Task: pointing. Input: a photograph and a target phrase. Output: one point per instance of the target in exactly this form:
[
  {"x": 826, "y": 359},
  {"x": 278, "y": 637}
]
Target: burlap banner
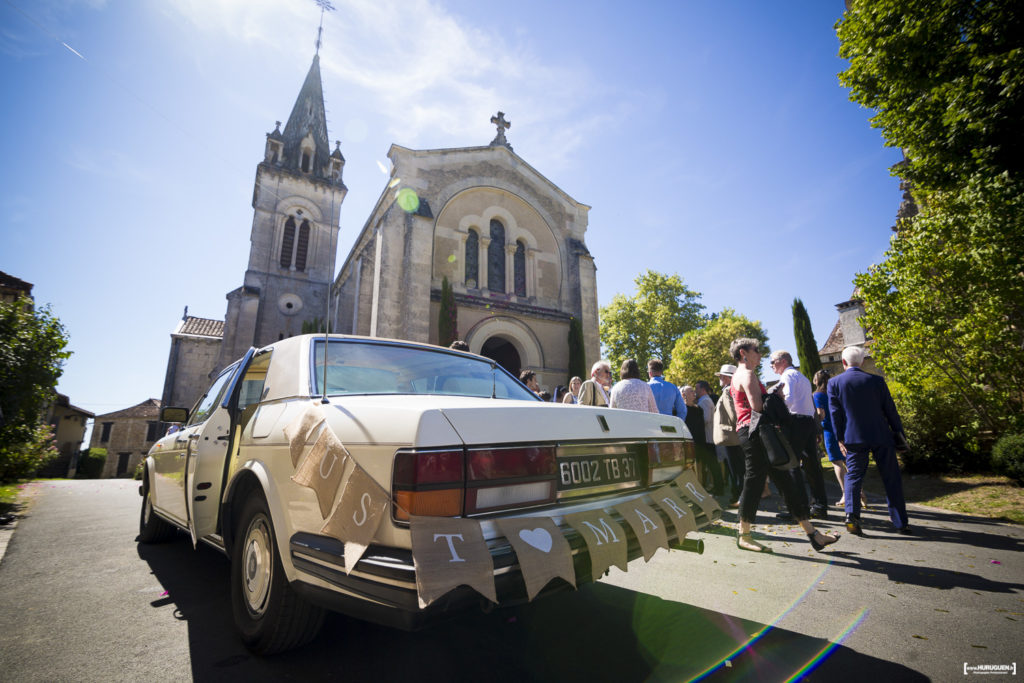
[
  {"x": 678, "y": 511},
  {"x": 357, "y": 515},
  {"x": 543, "y": 552},
  {"x": 605, "y": 538},
  {"x": 301, "y": 428},
  {"x": 691, "y": 488},
  {"x": 449, "y": 552},
  {"x": 322, "y": 468},
  {"x": 647, "y": 525}
]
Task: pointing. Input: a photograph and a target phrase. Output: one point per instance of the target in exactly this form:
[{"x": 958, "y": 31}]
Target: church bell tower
[{"x": 293, "y": 245}]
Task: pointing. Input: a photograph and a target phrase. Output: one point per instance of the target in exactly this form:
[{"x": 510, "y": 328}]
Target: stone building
[
  {"x": 847, "y": 332},
  {"x": 12, "y": 288},
  {"x": 509, "y": 241},
  {"x": 507, "y": 238},
  {"x": 127, "y": 435},
  {"x": 69, "y": 423}
]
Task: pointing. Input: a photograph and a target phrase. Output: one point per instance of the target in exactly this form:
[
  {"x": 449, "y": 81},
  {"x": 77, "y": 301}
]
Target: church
[{"x": 509, "y": 242}]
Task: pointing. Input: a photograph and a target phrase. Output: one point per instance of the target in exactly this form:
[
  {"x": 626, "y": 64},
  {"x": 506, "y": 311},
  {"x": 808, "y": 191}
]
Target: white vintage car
[{"x": 443, "y": 433}]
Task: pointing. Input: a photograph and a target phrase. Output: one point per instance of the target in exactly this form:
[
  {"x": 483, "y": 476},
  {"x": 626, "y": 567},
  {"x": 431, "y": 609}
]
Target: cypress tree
[
  {"x": 577, "y": 354},
  {"x": 806, "y": 347},
  {"x": 448, "y": 316}
]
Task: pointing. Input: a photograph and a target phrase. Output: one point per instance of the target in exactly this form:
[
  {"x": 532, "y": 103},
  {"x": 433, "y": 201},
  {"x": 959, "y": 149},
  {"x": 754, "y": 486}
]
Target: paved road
[{"x": 80, "y": 601}]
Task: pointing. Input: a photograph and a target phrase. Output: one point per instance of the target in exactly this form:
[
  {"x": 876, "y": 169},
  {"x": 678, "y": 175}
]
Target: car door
[{"x": 207, "y": 454}]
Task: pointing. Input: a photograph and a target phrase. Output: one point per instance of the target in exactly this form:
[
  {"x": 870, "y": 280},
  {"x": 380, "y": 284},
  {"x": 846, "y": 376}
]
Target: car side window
[{"x": 211, "y": 398}]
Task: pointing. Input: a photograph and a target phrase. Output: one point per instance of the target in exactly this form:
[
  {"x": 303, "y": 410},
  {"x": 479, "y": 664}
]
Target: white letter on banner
[
  {"x": 451, "y": 546},
  {"x": 680, "y": 513},
  {"x": 334, "y": 460},
  {"x": 362, "y": 505},
  {"x": 646, "y": 521},
  {"x": 602, "y": 535},
  {"x": 693, "y": 489}
]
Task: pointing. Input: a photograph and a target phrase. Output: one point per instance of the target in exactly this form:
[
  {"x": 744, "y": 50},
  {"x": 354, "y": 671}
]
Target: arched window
[
  {"x": 519, "y": 268},
  {"x": 496, "y": 257},
  {"x": 305, "y": 161},
  {"x": 288, "y": 243},
  {"x": 473, "y": 260},
  {"x": 302, "y": 246}
]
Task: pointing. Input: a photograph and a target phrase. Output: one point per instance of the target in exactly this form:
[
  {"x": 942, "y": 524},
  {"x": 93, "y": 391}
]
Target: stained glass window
[{"x": 496, "y": 257}]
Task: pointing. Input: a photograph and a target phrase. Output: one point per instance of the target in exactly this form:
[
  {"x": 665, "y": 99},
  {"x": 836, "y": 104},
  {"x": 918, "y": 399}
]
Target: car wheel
[
  {"x": 152, "y": 528},
  {"x": 270, "y": 616}
]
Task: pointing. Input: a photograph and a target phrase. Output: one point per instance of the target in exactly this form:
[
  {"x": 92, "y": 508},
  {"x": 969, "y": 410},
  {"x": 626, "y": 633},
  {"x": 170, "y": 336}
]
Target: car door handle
[
  {"x": 194, "y": 437},
  {"x": 224, "y": 437}
]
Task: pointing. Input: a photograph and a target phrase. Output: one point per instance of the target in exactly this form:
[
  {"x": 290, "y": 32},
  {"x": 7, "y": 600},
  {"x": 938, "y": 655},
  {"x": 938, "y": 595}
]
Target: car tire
[
  {"x": 269, "y": 615},
  {"x": 153, "y": 528}
]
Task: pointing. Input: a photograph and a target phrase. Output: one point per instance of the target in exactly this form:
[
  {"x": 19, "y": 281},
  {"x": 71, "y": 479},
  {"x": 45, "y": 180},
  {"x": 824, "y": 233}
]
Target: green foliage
[
  {"x": 806, "y": 347},
  {"x": 21, "y": 461},
  {"x": 577, "y": 353},
  {"x": 32, "y": 356},
  {"x": 946, "y": 81},
  {"x": 943, "y": 436},
  {"x": 647, "y": 325},
  {"x": 700, "y": 353},
  {"x": 946, "y": 306},
  {"x": 313, "y": 326},
  {"x": 90, "y": 463},
  {"x": 448, "y": 316},
  {"x": 1008, "y": 456}
]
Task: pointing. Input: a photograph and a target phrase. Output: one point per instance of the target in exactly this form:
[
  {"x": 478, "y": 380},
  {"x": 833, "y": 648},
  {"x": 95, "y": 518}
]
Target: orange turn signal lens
[{"x": 438, "y": 503}]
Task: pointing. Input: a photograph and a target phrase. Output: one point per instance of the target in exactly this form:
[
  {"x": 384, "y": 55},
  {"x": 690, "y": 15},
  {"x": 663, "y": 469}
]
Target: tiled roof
[
  {"x": 150, "y": 408},
  {"x": 202, "y": 327},
  {"x": 835, "y": 342},
  {"x": 14, "y": 283}
]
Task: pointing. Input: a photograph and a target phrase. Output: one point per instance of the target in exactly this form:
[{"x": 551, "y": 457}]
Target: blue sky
[{"x": 132, "y": 131}]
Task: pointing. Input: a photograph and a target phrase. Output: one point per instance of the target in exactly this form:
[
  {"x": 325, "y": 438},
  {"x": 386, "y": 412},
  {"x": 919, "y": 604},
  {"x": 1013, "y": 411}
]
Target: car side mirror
[{"x": 171, "y": 414}]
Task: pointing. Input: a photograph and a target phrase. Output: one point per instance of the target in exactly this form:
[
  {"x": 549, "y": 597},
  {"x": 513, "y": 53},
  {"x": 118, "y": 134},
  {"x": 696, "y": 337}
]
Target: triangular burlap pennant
[
  {"x": 357, "y": 515},
  {"x": 449, "y": 552},
  {"x": 606, "y": 539},
  {"x": 299, "y": 430},
  {"x": 647, "y": 525},
  {"x": 691, "y": 488},
  {"x": 322, "y": 468},
  {"x": 542, "y": 550},
  {"x": 678, "y": 511}
]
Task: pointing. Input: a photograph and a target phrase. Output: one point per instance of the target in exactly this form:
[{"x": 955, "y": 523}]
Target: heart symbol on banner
[{"x": 538, "y": 538}]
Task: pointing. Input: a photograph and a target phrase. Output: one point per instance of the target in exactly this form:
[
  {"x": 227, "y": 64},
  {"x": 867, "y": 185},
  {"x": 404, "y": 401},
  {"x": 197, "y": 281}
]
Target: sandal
[
  {"x": 747, "y": 542},
  {"x": 818, "y": 545}
]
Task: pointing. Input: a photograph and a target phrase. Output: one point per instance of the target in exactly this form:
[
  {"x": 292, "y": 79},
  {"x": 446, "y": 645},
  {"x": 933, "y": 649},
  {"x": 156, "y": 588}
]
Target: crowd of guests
[{"x": 740, "y": 435}]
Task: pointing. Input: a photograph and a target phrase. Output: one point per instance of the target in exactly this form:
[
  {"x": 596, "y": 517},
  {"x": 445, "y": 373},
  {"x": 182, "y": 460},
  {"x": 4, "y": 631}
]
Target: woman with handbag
[{"x": 747, "y": 392}]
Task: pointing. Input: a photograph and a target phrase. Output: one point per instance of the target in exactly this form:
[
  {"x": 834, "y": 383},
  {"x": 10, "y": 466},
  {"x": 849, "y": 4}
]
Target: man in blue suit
[{"x": 866, "y": 422}]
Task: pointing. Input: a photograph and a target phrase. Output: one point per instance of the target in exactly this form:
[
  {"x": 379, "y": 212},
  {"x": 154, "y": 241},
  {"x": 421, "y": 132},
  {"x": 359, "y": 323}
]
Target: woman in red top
[{"x": 746, "y": 392}]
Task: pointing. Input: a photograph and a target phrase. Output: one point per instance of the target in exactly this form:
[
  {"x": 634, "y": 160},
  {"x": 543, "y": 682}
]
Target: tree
[
  {"x": 647, "y": 325},
  {"x": 946, "y": 81},
  {"x": 945, "y": 308},
  {"x": 447, "y": 316},
  {"x": 700, "y": 353},
  {"x": 313, "y": 326},
  {"x": 32, "y": 356},
  {"x": 577, "y": 354},
  {"x": 806, "y": 347}
]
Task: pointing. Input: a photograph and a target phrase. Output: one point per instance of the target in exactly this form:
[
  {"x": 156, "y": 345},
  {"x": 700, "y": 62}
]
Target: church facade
[{"x": 509, "y": 241}]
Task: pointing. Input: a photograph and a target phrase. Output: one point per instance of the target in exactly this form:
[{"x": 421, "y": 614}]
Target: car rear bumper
[{"x": 382, "y": 587}]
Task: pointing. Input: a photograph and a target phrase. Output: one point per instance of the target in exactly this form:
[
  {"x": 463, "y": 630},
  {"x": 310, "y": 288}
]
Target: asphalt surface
[{"x": 81, "y": 601}]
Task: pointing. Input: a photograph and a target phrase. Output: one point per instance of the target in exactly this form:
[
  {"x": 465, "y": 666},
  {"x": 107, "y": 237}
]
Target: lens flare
[{"x": 408, "y": 200}]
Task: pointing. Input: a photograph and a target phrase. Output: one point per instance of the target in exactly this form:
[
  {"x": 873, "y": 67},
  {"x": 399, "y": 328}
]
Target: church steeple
[{"x": 306, "y": 148}]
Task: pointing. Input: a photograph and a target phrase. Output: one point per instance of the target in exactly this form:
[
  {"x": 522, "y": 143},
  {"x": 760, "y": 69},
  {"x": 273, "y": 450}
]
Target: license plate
[{"x": 579, "y": 472}]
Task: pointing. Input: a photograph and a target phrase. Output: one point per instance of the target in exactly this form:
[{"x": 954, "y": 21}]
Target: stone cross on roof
[{"x": 503, "y": 125}]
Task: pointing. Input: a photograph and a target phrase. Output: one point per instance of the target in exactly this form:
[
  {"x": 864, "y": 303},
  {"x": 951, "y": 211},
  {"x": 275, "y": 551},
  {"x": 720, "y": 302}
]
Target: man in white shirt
[{"x": 796, "y": 390}]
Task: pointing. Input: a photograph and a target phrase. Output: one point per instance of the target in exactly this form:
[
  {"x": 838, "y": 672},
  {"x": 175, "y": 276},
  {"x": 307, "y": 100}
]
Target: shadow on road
[{"x": 599, "y": 633}]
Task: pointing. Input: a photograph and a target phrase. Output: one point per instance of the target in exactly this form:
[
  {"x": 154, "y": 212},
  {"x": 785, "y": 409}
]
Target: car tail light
[
  {"x": 665, "y": 454},
  {"x": 501, "y": 478},
  {"x": 430, "y": 483}
]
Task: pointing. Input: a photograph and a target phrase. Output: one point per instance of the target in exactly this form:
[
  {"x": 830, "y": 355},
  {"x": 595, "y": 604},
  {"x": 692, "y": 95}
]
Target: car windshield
[{"x": 357, "y": 367}]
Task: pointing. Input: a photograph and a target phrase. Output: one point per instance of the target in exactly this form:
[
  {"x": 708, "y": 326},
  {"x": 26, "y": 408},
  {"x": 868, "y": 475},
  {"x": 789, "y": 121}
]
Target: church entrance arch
[
  {"x": 504, "y": 353},
  {"x": 508, "y": 341}
]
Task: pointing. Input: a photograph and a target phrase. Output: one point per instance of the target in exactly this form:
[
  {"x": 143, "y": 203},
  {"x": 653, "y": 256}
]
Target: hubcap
[{"x": 257, "y": 565}]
